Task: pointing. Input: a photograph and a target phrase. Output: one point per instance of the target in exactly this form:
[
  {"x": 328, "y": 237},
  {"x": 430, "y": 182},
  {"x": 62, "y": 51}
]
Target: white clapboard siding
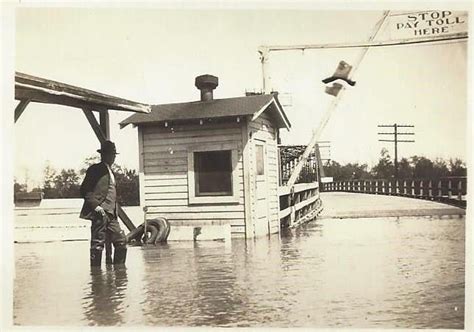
[
  {"x": 263, "y": 128},
  {"x": 165, "y": 166},
  {"x": 189, "y": 140}
]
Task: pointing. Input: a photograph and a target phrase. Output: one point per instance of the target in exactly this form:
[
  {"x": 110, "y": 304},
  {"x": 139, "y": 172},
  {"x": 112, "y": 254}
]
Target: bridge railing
[
  {"x": 300, "y": 204},
  {"x": 450, "y": 190}
]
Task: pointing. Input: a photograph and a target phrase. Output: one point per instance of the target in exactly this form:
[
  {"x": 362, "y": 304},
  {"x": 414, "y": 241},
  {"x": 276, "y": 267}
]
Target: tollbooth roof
[{"x": 217, "y": 108}]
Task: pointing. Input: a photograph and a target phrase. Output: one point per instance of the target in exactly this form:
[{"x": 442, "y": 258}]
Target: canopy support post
[
  {"x": 103, "y": 136},
  {"x": 105, "y": 123}
]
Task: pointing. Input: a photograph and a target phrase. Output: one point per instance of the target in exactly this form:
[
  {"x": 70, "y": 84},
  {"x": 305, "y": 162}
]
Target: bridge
[
  {"x": 363, "y": 198},
  {"x": 341, "y": 205}
]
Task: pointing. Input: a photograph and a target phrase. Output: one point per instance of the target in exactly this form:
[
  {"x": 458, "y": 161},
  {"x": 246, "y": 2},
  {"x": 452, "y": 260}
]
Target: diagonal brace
[
  {"x": 20, "y": 108},
  {"x": 103, "y": 137}
]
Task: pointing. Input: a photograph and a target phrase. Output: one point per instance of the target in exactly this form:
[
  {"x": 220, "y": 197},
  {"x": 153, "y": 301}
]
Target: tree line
[
  {"x": 415, "y": 167},
  {"x": 66, "y": 183}
]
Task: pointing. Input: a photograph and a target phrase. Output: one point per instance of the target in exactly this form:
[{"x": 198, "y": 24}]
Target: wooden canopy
[{"x": 40, "y": 90}]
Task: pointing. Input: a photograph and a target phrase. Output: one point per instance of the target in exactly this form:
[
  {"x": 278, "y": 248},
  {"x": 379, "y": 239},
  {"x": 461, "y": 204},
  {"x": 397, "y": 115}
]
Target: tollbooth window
[{"x": 213, "y": 173}]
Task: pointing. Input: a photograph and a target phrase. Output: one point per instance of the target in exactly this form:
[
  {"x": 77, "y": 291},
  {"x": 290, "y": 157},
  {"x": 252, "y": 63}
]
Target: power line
[{"x": 395, "y": 140}]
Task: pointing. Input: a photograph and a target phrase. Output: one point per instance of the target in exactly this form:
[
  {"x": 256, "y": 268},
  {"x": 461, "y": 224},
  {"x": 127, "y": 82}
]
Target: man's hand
[{"x": 100, "y": 210}]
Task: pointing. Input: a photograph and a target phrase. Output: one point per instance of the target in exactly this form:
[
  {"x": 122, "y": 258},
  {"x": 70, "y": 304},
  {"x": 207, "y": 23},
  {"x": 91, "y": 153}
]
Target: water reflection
[
  {"x": 359, "y": 273},
  {"x": 104, "y": 302}
]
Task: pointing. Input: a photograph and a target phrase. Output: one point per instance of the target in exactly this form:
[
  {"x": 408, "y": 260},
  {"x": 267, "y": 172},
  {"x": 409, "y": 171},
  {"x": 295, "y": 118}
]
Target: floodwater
[{"x": 384, "y": 273}]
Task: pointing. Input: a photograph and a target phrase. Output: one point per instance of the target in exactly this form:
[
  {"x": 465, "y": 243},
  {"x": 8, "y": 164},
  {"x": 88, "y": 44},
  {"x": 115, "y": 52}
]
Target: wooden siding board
[
  {"x": 189, "y": 127},
  {"x": 195, "y": 134},
  {"x": 191, "y": 140},
  {"x": 166, "y": 174}
]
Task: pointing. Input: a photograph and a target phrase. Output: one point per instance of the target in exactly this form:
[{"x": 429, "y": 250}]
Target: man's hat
[{"x": 107, "y": 147}]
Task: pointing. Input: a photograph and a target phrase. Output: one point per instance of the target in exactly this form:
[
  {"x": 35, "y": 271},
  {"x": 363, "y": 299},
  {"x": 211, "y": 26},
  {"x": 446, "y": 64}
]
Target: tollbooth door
[{"x": 261, "y": 188}]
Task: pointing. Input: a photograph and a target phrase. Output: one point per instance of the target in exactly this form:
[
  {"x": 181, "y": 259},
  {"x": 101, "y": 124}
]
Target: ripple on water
[{"x": 382, "y": 273}]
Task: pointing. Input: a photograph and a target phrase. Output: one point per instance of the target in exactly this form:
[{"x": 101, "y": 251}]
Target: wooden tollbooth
[{"x": 211, "y": 167}]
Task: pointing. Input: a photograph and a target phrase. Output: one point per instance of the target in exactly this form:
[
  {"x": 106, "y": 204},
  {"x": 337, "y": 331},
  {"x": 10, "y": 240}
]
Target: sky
[{"x": 152, "y": 55}]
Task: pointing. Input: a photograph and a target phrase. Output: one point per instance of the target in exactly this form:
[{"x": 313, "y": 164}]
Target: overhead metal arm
[{"x": 316, "y": 135}]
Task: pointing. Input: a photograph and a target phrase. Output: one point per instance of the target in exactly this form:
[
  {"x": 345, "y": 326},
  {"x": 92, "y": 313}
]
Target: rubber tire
[
  {"x": 163, "y": 228},
  {"x": 159, "y": 228}
]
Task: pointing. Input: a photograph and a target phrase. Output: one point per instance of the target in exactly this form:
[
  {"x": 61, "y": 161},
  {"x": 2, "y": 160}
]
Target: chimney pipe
[{"x": 206, "y": 83}]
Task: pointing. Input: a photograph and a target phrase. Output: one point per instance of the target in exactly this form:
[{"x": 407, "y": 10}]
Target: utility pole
[{"x": 395, "y": 140}]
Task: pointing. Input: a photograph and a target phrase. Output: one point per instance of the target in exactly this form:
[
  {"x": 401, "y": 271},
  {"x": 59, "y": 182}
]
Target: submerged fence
[
  {"x": 299, "y": 204},
  {"x": 450, "y": 190}
]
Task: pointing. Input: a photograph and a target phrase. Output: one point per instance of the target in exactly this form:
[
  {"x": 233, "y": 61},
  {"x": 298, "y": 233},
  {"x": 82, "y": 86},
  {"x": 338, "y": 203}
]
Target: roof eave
[{"x": 281, "y": 114}]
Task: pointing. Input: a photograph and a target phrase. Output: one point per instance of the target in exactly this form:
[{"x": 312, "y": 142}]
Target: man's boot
[
  {"x": 120, "y": 254},
  {"x": 96, "y": 257},
  {"x": 108, "y": 253}
]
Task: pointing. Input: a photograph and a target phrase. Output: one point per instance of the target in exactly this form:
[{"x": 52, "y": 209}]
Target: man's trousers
[{"x": 107, "y": 229}]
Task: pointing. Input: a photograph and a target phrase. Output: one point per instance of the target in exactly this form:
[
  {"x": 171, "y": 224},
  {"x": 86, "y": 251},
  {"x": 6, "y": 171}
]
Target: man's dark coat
[{"x": 94, "y": 189}]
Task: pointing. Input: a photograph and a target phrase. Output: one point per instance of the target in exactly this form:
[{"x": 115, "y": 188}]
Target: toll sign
[{"x": 427, "y": 23}]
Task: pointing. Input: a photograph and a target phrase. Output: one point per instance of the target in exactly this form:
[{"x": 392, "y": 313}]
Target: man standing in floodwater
[{"x": 100, "y": 206}]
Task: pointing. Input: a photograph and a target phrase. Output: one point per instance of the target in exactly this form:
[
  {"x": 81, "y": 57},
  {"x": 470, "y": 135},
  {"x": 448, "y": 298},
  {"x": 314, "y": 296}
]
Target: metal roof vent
[{"x": 206, "y": 83}]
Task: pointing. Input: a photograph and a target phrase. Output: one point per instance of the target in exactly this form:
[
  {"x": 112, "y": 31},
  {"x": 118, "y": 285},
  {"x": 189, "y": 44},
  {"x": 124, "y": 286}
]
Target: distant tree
[
  {"x": 66, "y": 184},
  {"x": 424, "y": 168},
  {"x": 18, "y": 188},
  {"x": 384, "y": 169},
  {"x": 49, "y": 188},
  {"x": 457, "y": 167},
  {"x": 405, "y": 170},
  {"x": 346, "y": 172},
  {"x": 128, "y": 189},
  {"x": 440, "y": 168}
]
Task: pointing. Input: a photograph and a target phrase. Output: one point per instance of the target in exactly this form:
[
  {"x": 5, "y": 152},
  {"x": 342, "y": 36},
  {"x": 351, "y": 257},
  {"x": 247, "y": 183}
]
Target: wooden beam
[
  {"x": 20, "y": 108},
  {"x": 125, "y": 219},
  {"x": 52, "y": 92},
  {"x": 105, "y": 123},
  {"x": 95, "y": 125}
]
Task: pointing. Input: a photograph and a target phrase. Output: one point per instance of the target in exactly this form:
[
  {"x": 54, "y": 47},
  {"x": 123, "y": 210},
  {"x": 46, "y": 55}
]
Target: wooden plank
[
  {"x": 175, "y": 169},
  {"x": 47, "y": 91},
  {"x": 184, "y": 194},
  {"x": 217, "y": 145},
  {"x": 306, "y": 202},
  {"x": 166, "y": 169},
  {"x": 238, "y": 229},
  {"x": 246, "y": 157},
  {"x": 95, "y": 125},
  {"x": 20, "y": 108},
  {"x": 105, "y": 123},
  {"x": 198, "y": 216},
  {"x": 125, "y": 219},
  {"x": 168, "y": 202},
  {"x": 159, "y": 177},
  {"x": 305, "y": 186},
  {"x": 167, "y": 189},
  {"x": 161, "y": 135},
  {"x": 189, "y": 127},
  {"x": 166, "y": 162},
  {"x": 199, "y": 209},
  {"x": 176, "y": 182},
  {"x": 165, "y": 196},
  {"x": 193, "y": 140},
  {"x": 141, "y": 168}
]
